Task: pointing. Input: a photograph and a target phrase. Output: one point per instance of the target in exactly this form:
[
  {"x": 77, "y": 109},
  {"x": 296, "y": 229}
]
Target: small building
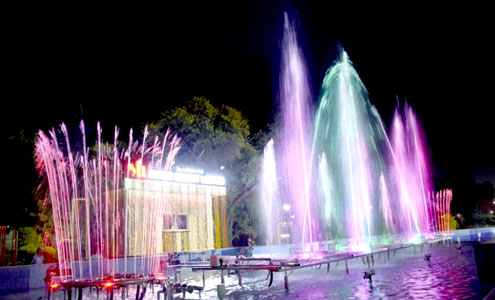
[{"x": 193, "y": 205}]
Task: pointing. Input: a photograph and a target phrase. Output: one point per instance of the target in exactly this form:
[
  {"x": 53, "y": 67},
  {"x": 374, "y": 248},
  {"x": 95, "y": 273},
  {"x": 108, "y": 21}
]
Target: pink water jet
[{"x": 98, "y": 224}]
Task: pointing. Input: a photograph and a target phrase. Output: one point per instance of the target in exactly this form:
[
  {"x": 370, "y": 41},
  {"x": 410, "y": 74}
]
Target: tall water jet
[
  {"x": 411, "y": 174},
  {"x": 441, "y": 202},
  {"x": 331, "y": 219},
  {"x": 270, "y": 207},
  {"x": 350, "y": 136},
  {"x": 295, "y": 135},
  {"x": 386, "y": 205}
]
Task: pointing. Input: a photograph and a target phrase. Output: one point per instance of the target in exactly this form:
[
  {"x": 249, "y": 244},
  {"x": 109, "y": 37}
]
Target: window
[{"x": 175, "y": 222}]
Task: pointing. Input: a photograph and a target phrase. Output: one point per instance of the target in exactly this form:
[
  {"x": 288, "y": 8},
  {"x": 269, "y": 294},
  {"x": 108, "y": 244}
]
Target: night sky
[{"x": 125, "y": 66}]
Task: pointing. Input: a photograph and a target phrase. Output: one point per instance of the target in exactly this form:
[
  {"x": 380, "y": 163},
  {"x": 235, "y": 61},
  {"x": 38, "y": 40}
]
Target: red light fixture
[
  {"x": 108, "y": 285},
  {"x": 54, "y": 286}
]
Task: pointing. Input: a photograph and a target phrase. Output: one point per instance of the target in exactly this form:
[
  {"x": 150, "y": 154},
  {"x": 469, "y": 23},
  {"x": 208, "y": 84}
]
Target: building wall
[{"x": 204, "y": 206}]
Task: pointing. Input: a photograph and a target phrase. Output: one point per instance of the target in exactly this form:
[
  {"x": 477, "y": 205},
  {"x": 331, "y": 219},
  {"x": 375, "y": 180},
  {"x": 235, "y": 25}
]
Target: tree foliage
[
  {"x": 31, "y": 240},
  {"x": 212, "y": 138},
  {"x": 471, "y": 199},
  {"x": 453, "y": 223},
  {"x": 42, "y": 234},
  {"x": 483, "y": 218},
  {"x": 20, "y": 178}
]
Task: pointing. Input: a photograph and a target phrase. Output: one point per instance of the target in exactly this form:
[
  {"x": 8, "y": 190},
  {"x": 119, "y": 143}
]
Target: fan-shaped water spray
[
  {"x": 351, "y": 135},
  {"x": 100, "y": 225}
]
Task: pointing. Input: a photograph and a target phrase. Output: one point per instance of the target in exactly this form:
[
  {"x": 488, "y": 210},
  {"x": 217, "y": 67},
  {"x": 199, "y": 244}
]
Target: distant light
[
  {"x": 286, "y": 207},
  {"x": 284, "y": 235},
  {"x": 493, "y": 201},
  {"x": 491, "y": 211},
  {"x": 292, "y": 217},
  {"x": 458, "y": 215},
  {"x": 222, "y": 167}
]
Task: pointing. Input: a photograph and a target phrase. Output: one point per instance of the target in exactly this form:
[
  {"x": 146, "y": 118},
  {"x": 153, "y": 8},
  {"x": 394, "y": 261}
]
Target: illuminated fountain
[
  {"x": 270, "y": 210},
  {"x": 440, "y": 208},
  {"x": 103, "y": 229},
  {"x": 296, "y": 135},
  {"x": 344, "y": 178},
  {"x": 412, "y": 182},
  {"x": 290, "y": 160},
  {"x": 370, "y": 186},
  {"x": 350, "y": 146}
]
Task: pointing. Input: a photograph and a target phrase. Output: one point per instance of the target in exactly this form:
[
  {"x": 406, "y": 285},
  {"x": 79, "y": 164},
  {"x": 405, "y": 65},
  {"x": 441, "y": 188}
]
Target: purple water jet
[
  {"x": 296, "y": 134},
  {"x": 412, "y": 178}
]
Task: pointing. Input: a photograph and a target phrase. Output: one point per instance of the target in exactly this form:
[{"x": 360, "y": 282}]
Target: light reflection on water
[{"x": 449, "y": 275}]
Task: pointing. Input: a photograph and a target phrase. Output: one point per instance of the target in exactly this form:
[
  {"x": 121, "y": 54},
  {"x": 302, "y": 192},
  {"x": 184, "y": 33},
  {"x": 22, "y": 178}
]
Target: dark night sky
[{"x": 123, "y": 67}]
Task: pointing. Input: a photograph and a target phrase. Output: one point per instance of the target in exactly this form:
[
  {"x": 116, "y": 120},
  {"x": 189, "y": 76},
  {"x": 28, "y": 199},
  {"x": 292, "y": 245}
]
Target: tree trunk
[
  {"x": 230, "y": 224},
  {"x": 231, "y": 209}
]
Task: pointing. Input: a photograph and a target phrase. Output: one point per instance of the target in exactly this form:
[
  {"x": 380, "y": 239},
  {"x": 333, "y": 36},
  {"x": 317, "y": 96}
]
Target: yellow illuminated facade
[{"x": 190, "y": 216}]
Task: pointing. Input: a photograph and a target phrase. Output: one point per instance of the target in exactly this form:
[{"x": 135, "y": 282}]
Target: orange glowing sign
[{"x": 137, "y": 169}]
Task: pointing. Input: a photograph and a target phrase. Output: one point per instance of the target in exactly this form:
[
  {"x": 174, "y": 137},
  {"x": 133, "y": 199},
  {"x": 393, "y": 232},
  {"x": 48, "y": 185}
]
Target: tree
[
  {"x": 471, "y": 200},
  {"x": 212, "y": 138},
  {"x": 19, "y": 176},
  {"x": 42, "y": 234},
  {"x": 31, "y": 240},
  {"x": 483, "y": 218},
  {"x": 453, "y": 223}
]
